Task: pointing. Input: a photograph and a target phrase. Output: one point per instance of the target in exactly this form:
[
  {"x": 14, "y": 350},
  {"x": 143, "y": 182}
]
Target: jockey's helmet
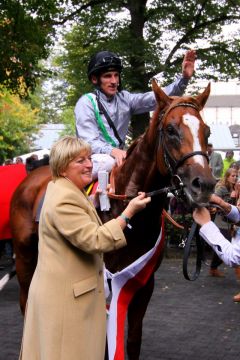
[{"x": 104, "y": 61}]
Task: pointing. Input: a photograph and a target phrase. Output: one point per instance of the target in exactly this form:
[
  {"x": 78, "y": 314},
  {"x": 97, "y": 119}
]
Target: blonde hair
[
  {"x": 224, "y": 181},
  {"x": 64, "y": 151}
]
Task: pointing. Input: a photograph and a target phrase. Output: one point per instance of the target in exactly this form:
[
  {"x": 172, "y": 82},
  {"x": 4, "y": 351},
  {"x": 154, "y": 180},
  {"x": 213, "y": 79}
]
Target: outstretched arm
[
  {"x": 227, "y": 251},
  {"x": 188, "y": 64}
]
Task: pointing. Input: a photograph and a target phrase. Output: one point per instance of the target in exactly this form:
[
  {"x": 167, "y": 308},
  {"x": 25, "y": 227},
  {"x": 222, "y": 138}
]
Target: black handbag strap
[{"x": 103, "y": 111}]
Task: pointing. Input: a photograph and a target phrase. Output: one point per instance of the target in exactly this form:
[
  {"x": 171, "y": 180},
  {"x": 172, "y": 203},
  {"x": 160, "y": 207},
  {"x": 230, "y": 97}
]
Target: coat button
[{"x": 100, "y": 272}]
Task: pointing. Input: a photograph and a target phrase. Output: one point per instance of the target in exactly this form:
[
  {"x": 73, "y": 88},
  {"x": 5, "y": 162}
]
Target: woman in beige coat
[{"x": 66, "y": 315}]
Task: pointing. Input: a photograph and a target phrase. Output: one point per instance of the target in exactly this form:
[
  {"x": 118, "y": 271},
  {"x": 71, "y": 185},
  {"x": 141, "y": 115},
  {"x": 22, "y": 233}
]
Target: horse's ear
[
  {"x": 161, "y": 97},
  {"x": 202, "y": 98}
]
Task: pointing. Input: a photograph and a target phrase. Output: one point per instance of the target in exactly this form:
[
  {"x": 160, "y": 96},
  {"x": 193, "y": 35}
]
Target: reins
[
  {"x": 187, "y": 243},
  {"x": 123, "y": 197}
]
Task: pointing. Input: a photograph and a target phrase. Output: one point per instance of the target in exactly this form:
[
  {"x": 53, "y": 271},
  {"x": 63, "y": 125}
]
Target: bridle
[
  {"x": 177, "y": 188},
  {"x": 172, "y": 164}
]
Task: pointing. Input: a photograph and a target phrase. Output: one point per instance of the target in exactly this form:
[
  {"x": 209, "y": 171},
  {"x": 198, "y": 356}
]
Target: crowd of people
[{"x": 32, "y": 162}]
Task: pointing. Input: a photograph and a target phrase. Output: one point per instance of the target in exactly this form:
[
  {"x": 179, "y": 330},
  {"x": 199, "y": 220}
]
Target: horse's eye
[{"x": 171, "y": 131}]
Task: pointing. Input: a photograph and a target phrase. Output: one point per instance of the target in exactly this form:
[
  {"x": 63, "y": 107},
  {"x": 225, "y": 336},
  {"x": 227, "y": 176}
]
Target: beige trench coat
[{"x": 66, "y": 315}]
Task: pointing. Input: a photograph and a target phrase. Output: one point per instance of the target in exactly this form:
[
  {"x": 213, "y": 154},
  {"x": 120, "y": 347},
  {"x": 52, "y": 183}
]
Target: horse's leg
[
  {"x": 26, "y": 252},
  {"x": 136, "y": 312}
]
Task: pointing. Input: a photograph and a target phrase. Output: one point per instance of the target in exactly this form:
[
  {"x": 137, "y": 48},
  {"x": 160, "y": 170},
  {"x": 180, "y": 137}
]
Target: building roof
[{"x": 223, "y": 101}]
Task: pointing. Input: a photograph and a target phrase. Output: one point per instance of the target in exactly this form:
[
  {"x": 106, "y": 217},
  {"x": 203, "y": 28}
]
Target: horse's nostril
[{"x": 196, "y": 183}]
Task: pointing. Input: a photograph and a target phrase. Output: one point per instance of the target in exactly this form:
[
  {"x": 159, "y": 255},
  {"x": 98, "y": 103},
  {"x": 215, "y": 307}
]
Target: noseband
[{"x": 171, "y": 163}]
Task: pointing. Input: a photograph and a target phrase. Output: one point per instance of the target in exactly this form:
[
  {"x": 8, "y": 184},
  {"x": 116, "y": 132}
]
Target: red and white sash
[{"x": 125, "y": 283}]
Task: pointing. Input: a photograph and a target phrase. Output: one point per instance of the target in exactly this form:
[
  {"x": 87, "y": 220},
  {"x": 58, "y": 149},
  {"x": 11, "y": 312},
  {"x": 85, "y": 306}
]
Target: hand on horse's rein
[
  {"x": 188, "y": 64},
  {"x": 220, "y": 203},
  {"x": 119, "y": 155},
  {"x": 202, "y": 215},
  {"x": 135, "y": 205}
]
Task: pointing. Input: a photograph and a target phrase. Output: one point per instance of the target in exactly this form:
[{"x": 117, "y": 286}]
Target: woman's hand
[
  {"x": 201, "y": 215},
  {"x": 223, "y": 204},
  {"x": 136, "y": 204}
]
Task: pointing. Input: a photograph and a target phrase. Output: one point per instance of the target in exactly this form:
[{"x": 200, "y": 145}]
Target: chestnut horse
[{"x": 174, "y": 144}]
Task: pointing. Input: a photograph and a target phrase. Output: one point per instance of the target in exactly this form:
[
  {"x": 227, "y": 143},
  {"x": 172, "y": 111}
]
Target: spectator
[
  {"x": 8, "y": 162},
  {"x": 236, "y": 234},
  {"x": 227, "y": 251},
  {"x": 19, "y": 160},
  {"x": 225, "y": 190},
  {"x": 215, "y": 162},
  {"x": 228, "y": 161},
  {"x": 31, "y": 162}
]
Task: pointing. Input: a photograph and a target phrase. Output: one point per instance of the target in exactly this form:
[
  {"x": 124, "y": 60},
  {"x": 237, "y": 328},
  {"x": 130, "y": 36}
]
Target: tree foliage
[
  {"x": 25, "y": 36},
  {"x": 150, "y": 36},
  {"x": 18, "y": 123}
]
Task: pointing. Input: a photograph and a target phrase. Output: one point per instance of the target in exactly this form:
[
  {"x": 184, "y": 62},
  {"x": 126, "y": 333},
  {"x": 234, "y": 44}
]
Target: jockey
[{"x": 103, "y": 117}]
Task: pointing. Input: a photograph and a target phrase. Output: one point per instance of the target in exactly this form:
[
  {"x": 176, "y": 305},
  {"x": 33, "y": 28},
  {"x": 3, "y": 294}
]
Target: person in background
[
  {"x": 31, "y": 162},
  {"x": 236, "y": 166},
  {"x": 8, "y": 162},
  {"x": 227, "y": 162},
  {"x": 236, "y": 232},
  {"x": 215, "y": 162},
  {"x": 228, "y": 251},
  {"x": 19, "y": 160},
  {"x": 103, "y": 116},
  {"x": 225, "y": 190},
  {"x": 66, "y": 310}
]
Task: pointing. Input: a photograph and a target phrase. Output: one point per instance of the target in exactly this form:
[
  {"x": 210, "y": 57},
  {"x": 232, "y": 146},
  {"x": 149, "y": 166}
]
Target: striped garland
[{"x": 125, "y": 284}]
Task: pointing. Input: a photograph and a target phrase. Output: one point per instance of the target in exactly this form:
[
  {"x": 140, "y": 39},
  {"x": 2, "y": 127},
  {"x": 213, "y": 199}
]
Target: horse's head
[{"x": 183, "y": 138}]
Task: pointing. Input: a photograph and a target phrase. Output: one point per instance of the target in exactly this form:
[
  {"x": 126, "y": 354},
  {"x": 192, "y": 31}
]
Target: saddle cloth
[{"x": 10, "y": 177}]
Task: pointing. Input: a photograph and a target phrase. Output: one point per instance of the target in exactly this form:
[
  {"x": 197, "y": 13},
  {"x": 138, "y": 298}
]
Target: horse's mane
[{"x": 133, "y": 145}]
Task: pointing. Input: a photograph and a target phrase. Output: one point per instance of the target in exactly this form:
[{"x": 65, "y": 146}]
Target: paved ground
[{"x": 185, "y": 320}]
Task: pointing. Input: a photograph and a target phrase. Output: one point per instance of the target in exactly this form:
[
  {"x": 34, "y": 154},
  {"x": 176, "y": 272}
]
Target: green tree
[
  {"x": 67, "y": 118},
  {"x": 152, "y": 37},
  {"x": 25, "y": 38},
  {"x": 18, "y": 124}
]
